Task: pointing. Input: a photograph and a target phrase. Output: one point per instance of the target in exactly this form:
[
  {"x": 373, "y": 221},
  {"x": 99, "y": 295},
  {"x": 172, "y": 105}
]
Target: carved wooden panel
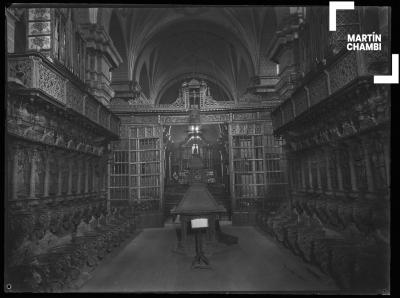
[
  {"x": 347, "y": 22},
  {"x": 103, "y": 117},
  {"x": 378, "y": 164},
  {"x": 74, "y": 98},
  {"x": 90, "y": 175},
  {"x": 318, "y": 89},
  {"x": 300, "y": 101},
  {"x": 246, "y": 128},
  {"x": 287, "y": 111},
  {"x": 75, "y": 169},
  {"x": 53, "y": 181},
  {"x": 23, "y": 172},
  {"x": 359, "y": 164},
  {"x": 51, "y": 83},
  {"x": 91, "y": 108},
  {"x": 277, "y": 118},
  {"x": 174, "y": 119},
  {"x": 64, "y": 176},
  {"x": 343, "y": 71},
  {"x": 114, "y": 125},
  {"x": 139, "y": 119},
  {"x": 214, "y": 118},
  {"x": 39, "y": 28},
  {"x": 82, "y": 166},
  {"x": 21, "y": 69},
  {"x": 40, "y": 159},
  {"x": 244, "y": 116}
]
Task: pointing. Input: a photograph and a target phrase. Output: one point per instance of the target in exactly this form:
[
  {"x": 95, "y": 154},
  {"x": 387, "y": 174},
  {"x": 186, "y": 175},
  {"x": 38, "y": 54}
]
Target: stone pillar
[
  {"x": 47, "y": 175},
  {"x": 95, "y": 179},
  {"x": 32, "y": 185},
  {"x": 70, "y": 167},
  {"x": 60, "y": 171},
  {"x": 353, "y": 177},
  {"x": 14, "y": 169},
  {"x": 310, "y": 171},
  {"x": 328, "y": 170},
  {"x": 319, "y": 184},
  {"x": 339, "y": 172},
  {"x": 368, "y": 166},
  {"x": 303, "y": 177},
  {"x": 86, "y": 169},
  {"x": 79, "y": 182}
]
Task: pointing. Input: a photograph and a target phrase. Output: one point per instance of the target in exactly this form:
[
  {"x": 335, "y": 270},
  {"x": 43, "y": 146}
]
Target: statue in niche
[
  {"x": 102, "y": 220},
  {"x": 92, "y": 223},
  {"x": 82, "y": 228}
]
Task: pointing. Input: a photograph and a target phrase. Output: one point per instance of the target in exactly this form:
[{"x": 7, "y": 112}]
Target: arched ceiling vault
[{"x": 165, "y": 44}]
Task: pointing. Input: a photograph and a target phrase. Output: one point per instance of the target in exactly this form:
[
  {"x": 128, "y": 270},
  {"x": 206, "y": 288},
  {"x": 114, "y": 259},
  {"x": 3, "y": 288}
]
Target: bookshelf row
[
  {"x": 257, "y": 165},
  {"x": 144, "y": 132},
  {"x": 123, "y": 181},
  {"x": 249, "y": 191},
  {"x": 248, "y": 165},
  {"x": 240, "y": 153},
  {"x": 136, "y": 168}
]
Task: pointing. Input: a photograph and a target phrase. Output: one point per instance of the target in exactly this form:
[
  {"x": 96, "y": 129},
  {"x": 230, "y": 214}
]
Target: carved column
[
  {"x": 339, "y": 171},
  {"x": 368, "y": 167},
  {"x": 328, "y": 170},
  {"x": 352, "y": 168},
  {"x": 70, "y": 167},
  {"x": 47, "y": 175},
  {"x": 303, "y": 177},
  {"x": 86, "y": 169},
  {"x": 14, "y": 169},
  {"x": 79, "y": 182},
  {"x": 94, "y": 176},
  {"x": 32, "y": 186},
  {"x": 309, "y": 161},
  {"x": 319, "y": 185},
  {"x": 60, "y": 171}
]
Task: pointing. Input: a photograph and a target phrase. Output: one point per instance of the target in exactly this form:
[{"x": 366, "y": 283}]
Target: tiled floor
[{"x": 257, "y": 263}]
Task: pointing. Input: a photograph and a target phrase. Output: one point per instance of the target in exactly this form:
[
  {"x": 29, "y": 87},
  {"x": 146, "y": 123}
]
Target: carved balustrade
[
  {"x": 345, "y": 68},
  {"x": 35, "y": 72}
]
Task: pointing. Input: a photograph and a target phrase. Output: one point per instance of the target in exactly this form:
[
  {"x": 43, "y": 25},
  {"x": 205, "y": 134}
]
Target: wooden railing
[
  {"x": 35, "y": 71},
  {"x": 344, "y": 69}
]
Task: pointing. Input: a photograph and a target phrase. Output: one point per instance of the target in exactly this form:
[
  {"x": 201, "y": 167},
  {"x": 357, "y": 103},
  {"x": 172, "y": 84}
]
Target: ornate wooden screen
[
  {"x": 136, "y": 169},
  {"x": 256, "y": 165}
]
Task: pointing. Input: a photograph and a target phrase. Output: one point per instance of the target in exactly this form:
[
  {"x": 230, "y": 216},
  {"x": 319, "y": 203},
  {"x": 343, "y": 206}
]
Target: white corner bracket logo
[
  {"x": 336, "y": 5},
  {"x": 390, "y": 79},
  {"x": 348, "y": 5}
]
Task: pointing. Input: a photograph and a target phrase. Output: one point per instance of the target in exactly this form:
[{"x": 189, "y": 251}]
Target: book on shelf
[{"x": 150, "y": 180}]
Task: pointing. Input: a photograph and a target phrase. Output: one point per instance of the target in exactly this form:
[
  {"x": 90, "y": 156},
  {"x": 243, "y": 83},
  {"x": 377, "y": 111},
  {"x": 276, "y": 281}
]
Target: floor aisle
[{"x": 255, "y": 264}]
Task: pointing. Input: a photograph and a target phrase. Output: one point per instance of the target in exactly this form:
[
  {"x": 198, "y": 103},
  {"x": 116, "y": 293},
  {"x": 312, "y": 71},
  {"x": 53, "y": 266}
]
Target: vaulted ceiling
[{"x": 163, "y": 46}]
